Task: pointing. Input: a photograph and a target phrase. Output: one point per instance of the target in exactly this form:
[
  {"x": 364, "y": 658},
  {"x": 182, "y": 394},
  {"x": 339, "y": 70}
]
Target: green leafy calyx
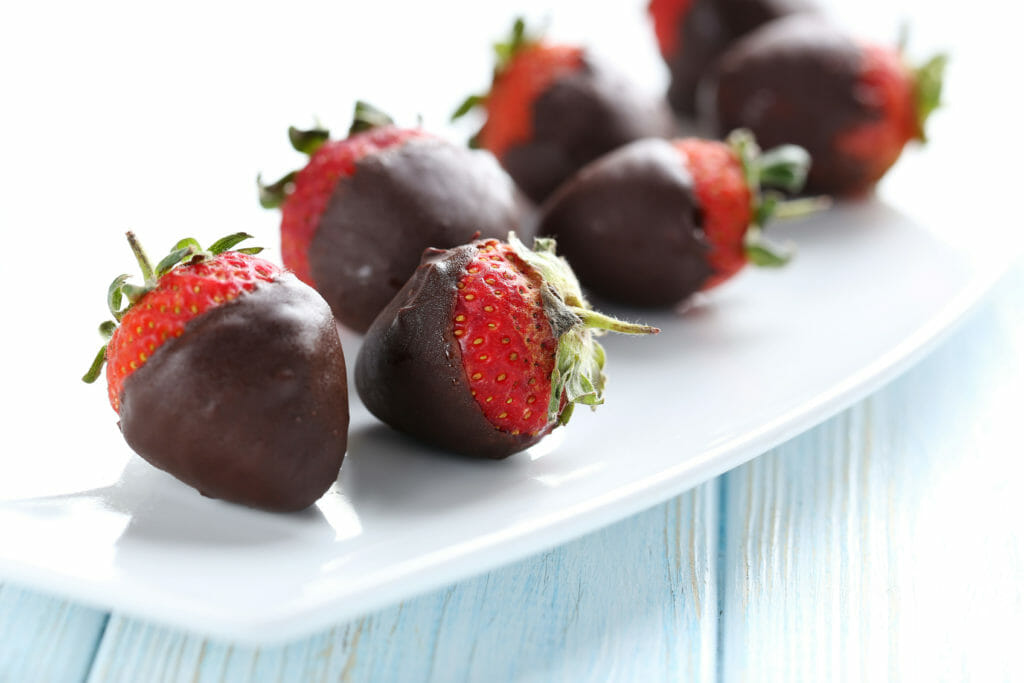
[
  {"x": 578, "y": 374},
  {"x": 367, "y": 117},
  {"x": 928, "y": 90},
  {"x": 122, "y": 295},
  {"x": 308, "y": 141},
  {"x": 781, "y": 168},
  {"x": 504, "y": 52}
]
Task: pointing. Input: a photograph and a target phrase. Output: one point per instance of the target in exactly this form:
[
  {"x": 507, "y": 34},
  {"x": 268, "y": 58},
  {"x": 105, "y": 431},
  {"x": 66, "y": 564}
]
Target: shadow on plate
[{"x": 394, "y": 475}]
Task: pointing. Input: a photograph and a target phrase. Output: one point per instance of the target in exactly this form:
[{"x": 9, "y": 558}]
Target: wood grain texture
[
  {"x": 635, "y": 601},
  {"x": 44, "y": 639},
  {"x": 885, "y": 544}
]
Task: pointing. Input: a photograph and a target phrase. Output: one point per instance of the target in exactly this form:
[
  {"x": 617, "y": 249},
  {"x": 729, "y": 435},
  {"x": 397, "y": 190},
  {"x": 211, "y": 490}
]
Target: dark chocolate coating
[
  {"x": 795, "y": 81},
  {"x": 706, "y": 30},
  {"x": 580, "y": 117},
  {"x": 409, "y": 371},
  {"x": 424, "y": 193},
  {"x": 630, "y": 226},
  {"x": 250, "y": 404}
]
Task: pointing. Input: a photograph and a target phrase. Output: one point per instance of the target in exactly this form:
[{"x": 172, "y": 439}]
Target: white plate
[{"x": 767, "y": 355}]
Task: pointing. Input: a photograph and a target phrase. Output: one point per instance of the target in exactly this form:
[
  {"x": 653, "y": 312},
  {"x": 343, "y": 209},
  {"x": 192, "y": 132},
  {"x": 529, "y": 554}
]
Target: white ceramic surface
[
  {"x": 756, "y": 361},
  {"x": 766, "y": 356}
]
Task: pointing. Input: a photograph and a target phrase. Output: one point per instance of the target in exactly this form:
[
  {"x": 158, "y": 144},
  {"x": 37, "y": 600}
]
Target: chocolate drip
[
  {"x": 409, "y": 371},
  {"x": 579, "y": 118},
  {"x": 425, "y": 193},
  {"x": 250, "y": 404},
  {"x": 630, "y": 226}
]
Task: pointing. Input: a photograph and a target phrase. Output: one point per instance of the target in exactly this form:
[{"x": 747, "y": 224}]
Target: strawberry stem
[
  {"x": 599, "y": 321},
  {"x": 143, "y": 260}
]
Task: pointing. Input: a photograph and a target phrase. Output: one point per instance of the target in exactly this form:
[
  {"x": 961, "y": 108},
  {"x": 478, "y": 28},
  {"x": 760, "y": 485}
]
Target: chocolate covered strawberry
[
  {"x": 552, "y": 108},
  {"x": 486, "y": 349},
  {"x": 657, "y": 220},
  {"x": 693, "y": 33},
  {"x": 852, "y": 105},
  {"x": 228, "y": 373},
  {"x": 356, "y": 218}
]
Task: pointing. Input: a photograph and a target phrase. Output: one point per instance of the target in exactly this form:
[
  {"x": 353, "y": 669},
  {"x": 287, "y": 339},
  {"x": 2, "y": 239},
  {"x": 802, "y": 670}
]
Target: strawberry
[
  {"x": 692, "y": 34},
  {"x": 853, "y": 106},
  {"x": 552, "y": 108},
  {"x": 228, "y": 373},
  {"x": 656, "y": 221},
  {"x": 486, "y": 349},
  {"x": 356, "y": 218}
]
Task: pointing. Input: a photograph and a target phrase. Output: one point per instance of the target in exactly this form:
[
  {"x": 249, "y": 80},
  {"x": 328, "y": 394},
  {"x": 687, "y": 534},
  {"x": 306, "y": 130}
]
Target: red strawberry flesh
[
  {"x": 533, "y": 69},
  {"x": 667, "y": 14},
  {"x": 725, "y": 202},
  {"x": 508, "y": 346},
  {"x": 885, "y": 86},
  {"x": 181, "y": 295}
]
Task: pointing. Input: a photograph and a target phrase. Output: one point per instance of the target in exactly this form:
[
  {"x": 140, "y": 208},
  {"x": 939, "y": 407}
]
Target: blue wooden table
[{"x": 884, "y": 544}]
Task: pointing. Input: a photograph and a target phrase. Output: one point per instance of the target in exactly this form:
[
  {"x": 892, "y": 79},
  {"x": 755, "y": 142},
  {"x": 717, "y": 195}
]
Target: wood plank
[
  {"x": 634, "y": 601},
  {"x": 886, "y": 544},
  {"x": 45, "y": 639}
]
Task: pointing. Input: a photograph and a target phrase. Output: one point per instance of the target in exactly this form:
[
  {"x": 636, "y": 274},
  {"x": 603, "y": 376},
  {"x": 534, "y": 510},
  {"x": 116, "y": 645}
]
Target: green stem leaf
[
  {"x": 800, "y": 208},
  {"x": 307, "y": 141},
  {"x": 783, "y": 167},
  {"x": 928, "y": 90},
  {"x": 134, "y": 292},
  {"x": 368, "y": 117},
  {"x": 468, "y": 105},
  {"x": 173, "y": 259},
  {"x": 518, "y": 39},
  {"x": 188, "y": 241},
  {"x": 763, "y": 253},
  {"x": 115, "y": 296},
  {"x": 93, "y": 373},
  {"x": 272, "y": 196},
  {"x": 225, "y": 243}
]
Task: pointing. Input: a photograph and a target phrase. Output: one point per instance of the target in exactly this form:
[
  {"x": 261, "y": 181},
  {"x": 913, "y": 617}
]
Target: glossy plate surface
[{"x": 875, "y": 284}]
